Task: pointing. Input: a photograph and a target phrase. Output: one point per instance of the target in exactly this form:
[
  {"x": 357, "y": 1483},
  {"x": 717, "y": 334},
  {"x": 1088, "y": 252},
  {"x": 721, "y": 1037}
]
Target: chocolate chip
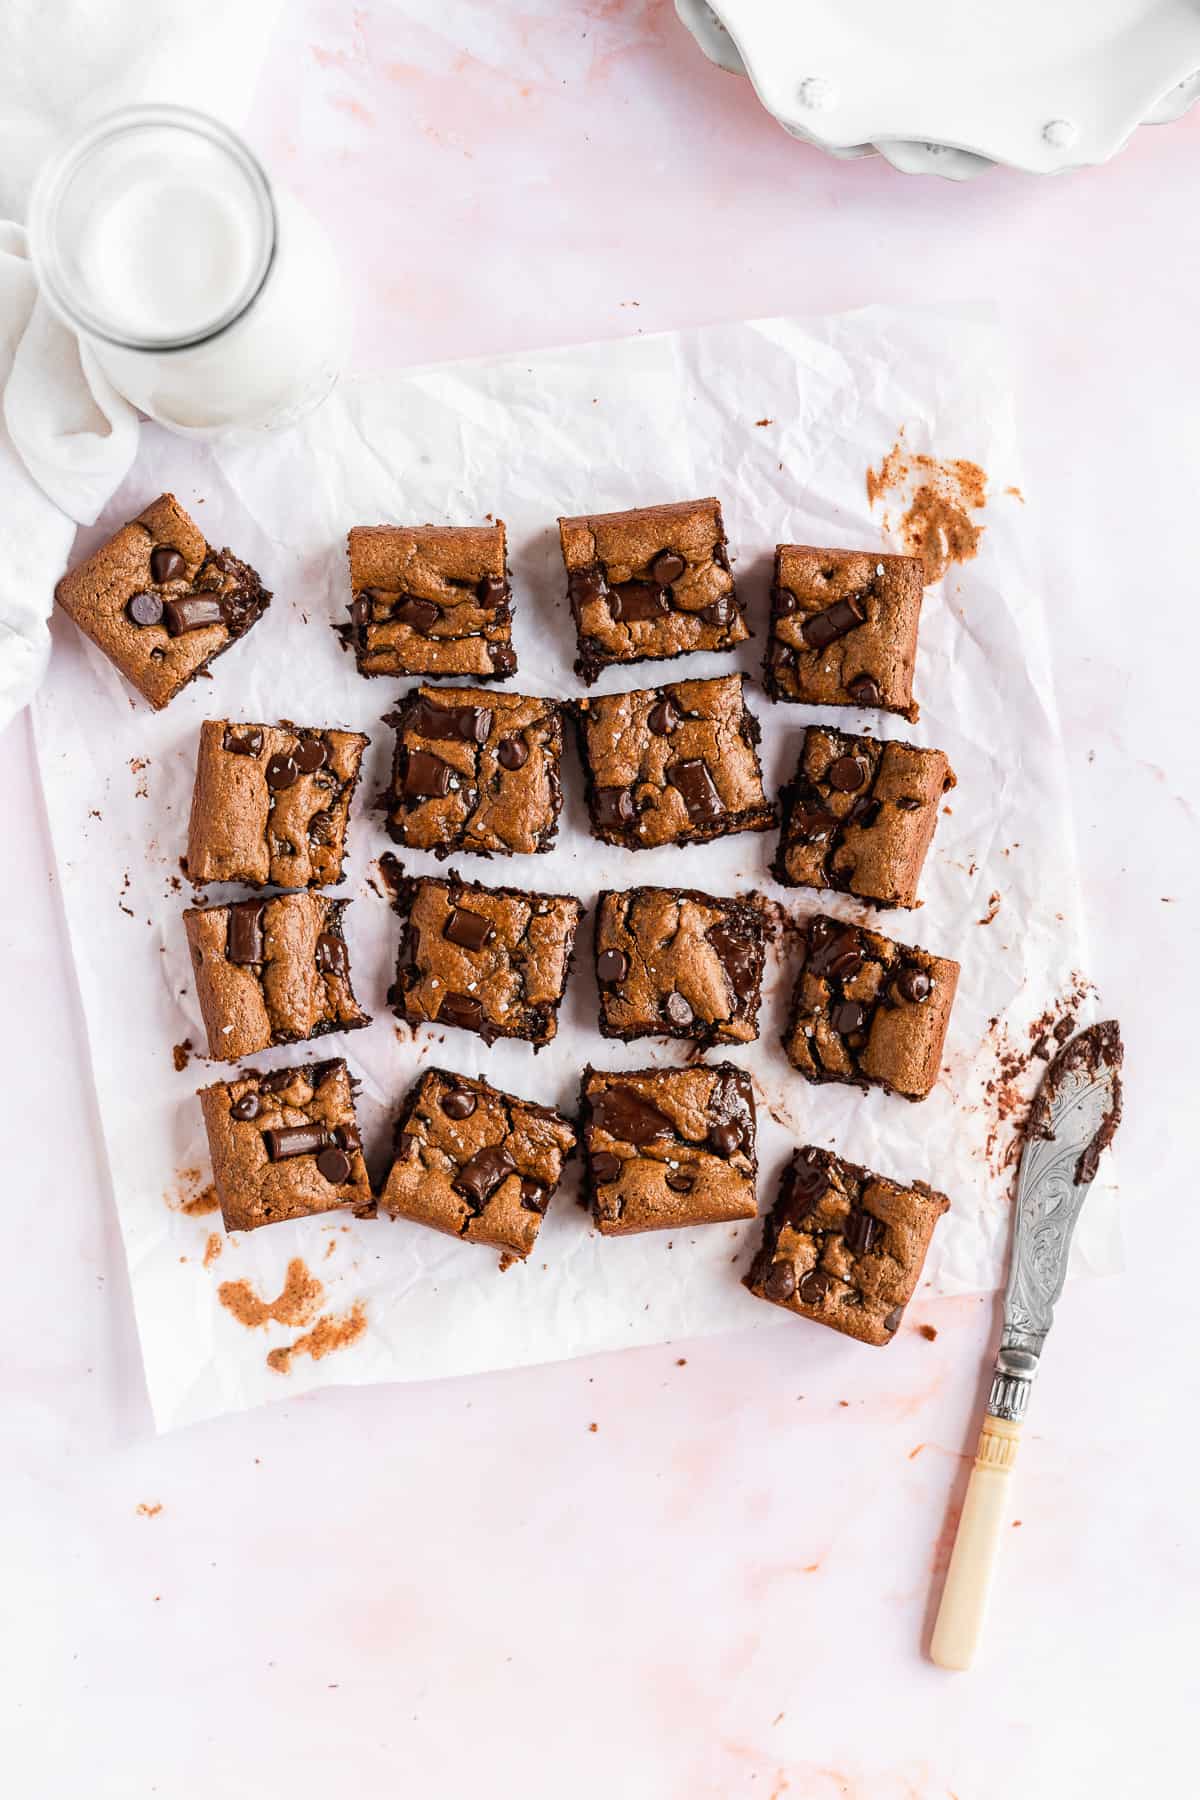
[
  {"x": 321, "y": 828},
  {"x": 585, "y": 586},
  {"x": 612, "y": 807},
  {"x": 426, "y": 776},
  {"x": 626, "y": 1116},
  {"x": 813, "y": 1288},
  {"x": 780, "y": 1283},
  {"x": 810, "y": 826},
  {"x": 678, "y": 1010},
  {"x": 513, "y": 753},
  {"x": 360, "y": 614},
  {"x": 248, "y": 742},
  {"x": 277, "y": 1080},
  {"x": 458, "y": 1103},
  {"x": 680, "y": 1183},
  {"x": 244, "y": 933},
  {"x": 612, "y": 965},
  {"x": 667, "y": 567},
  {"x": 634, "y": 602},
  {"x": 246, "y": 1107},
  {"x": 783, "y": 602},
  {"x": 504, "y": 660},
  {"x": 310, "y": 755},
  {"x": 907, "y": 803},
  {"x": 470, "y": 930},
  {"x": 847, "y": 1016},
  {"x": 605, "y": 1166},
  {"x": 346, "y": 1137},
  {"x": 334, "y": 1165},
  {"x": 472, "y": 724},
  {"x": 407, "y": 1143},
  {"x": 914, "y": 984},
  {"x": 821, "y": 629},
  {"x": 864, "y": 689},
  {"x": 145, "y": 609},
  {"x": 663, "y": 718},
  {"x": 166, "y": 564},
  {"x": 725, "y": 1138},
  {"x": 693, "y": 781},
  {"x": 283, "y": 771},
  {"x": 478, "y": 1179},
  {"x": 865, "y": 813},
  {"x": 419, "y": 615},
  {"x": 332, "y": 956},
  {"x": 846, "y": 774},
  {"x": 491, "y": 590},
  {"x": 860, "y": 1231},
  {"x": 535, "y": 1197},
  {"x": 718, "y": 612},
  {"x": 463, "y": 1010},
  {"x": 892, "y": 1322},
  {"x": 294, "y": 1140},
  {"x": 192, "y": 611},
  {"x": 739, "y": 959}
]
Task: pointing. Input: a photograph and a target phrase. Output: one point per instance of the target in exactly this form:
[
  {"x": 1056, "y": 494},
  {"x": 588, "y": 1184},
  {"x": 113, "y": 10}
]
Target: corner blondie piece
[
  {"x": 650, "y": 584},
  {"x": 668, "y": 1147},
  {"x": 844, "y": 628},
  {"x": 475, "y": 770},
  {"x": 476, "y": 1163},
  {"x": 869, "y": 1011},
  {"x": 430, "y": 600},
  {"x": 859, "y": 816},
  {"x": 271, "y": 972},
  {"x": 271, "y": 804},
  {"x": 671, "y": 962},
  {"x": 676, "y": 764},
  {"x": 490, "y": 960},
  {"x": 845, "y": 1247},
  {"x": 160, "y": 601},
  {"x": 285, "y": 1145}
]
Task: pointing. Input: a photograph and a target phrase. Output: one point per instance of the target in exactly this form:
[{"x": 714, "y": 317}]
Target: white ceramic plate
[{"x": 1042, "y": 85}]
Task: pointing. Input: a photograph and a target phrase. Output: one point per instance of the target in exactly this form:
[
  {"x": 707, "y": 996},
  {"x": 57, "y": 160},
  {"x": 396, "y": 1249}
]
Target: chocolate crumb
[
  {"x": 928, "y": 1331},
  {"x": 181, "y": 1054}
]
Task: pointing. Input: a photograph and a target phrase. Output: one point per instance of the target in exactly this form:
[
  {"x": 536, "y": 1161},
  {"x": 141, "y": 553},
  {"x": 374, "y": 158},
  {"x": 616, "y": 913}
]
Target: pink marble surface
[{"x": 721, "y": 1591}]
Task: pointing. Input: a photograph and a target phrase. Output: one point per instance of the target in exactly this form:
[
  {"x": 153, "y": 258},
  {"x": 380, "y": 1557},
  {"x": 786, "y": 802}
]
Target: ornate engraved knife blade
[{"x": 1073, "y": 1118}]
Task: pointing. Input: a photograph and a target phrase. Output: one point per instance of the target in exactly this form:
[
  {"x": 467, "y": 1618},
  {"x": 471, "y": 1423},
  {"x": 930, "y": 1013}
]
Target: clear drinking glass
[{"x": 210, "y": 299}]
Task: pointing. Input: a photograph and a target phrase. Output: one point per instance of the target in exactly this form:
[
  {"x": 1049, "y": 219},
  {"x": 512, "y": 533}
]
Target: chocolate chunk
[
  {"x": 864, "y": 689},
  {"x": 860, "y": 1231},
  {"x": 865, "y": 813},
  {"x": 360, "y": 614},
  {"x": 680, "y": 1183},
  {"x": 283, "y": 771},
  {"x": 626, "y": 1116},
  {"x": 807, "y": 1182},
  {"x": 145, "y": 609},
  {"x": 839, "y": 955},
  {"x": 192, "y": 611},
  {"x": 914, "y": 984},
  {"x": 605, "y": 1166},
  {"x": 667, "y": 567},
  {"x": 892, "y": 1322},
  {"x": 472, "y": 724},
  {"x": 634, "y": 602},
  {"x": 426, "y": 776},
  {"x": 847, "y": 1016},
  {"x": 612, "y": 807},
  {"x": 719, "y": 611},
  {"x": 780, "y": 1283},
  {"x": 277, "y": 1080},
  {"x": 513, "y": 753},
  {"x": 334, "y": 1165},
  {"x": 480, "y": 1177},
  {"x": 693, "y": 781},
  {"x": 738, "y": 959},
  {"x": 585, "y": 586},
  {"x": 321, "y": 828},
  {"x": 346, "y": 1137},
  {"x": 244, "y": 933},
  {"x": 534, "y": 1196},
  {"x": 810, "y": 826},
  {"x": 310, "y": 755},
  {"x": 463, "y": 1010},
  {"x": 821, "y": 629},
  {"x": 166, "y": 564},
  {"x": 846, "y": 774},
  {"x": 678, "y": 1010},
  {"x": 294, "y": 1140},
  {"x": 419, "y": 615},
  {"x": 244, "y": 743},
  {"x": 726, "y": 1137},
  {"x": 504, "y": 660},
  {"x": 458, "y": 1103},
  {"x": 470, "y": 930},
  {"x": 813, "y": 1288},
  {"x": 410, "y": 939},
  {"x": 663, "y": 718},
  {"x": 784, "y": 602},
  {"x": 247, "y": 1107},
  {"x": 491, "y": 590},
  {"x": 612, "y": 965},
  {"x": 332, "y": 956}
]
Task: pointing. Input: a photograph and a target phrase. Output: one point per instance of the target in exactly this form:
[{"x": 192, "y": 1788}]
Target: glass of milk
[{"x": 210, "y": 299}]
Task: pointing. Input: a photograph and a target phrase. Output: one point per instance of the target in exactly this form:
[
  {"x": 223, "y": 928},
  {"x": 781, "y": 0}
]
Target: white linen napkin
[{"x": 66, "y": 438}]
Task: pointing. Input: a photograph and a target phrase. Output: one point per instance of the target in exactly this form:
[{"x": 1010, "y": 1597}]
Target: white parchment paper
[{"x": 781, "y": 419}]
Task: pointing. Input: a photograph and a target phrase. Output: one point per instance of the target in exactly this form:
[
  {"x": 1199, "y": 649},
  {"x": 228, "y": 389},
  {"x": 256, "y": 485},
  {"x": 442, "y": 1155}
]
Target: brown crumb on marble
[
  {"x": 192, "y": 1196},
  {"x": 391, "y": 873},
  {"x": 681, "y": 1362},
  {"x": 938, "y": 497},
  {"x": 1015, "y": 494},
  {"x": 929, "y": 1332},
  {"x": 993, "y": 908},
  {"x": 1009, "y": 1091},
  {"x": 298, "y": 1301},
  {"x": 213, "y": 1248},
  {"x": 330, "y": 1333},
  {"x": 764, "y": 421},
  {"x": 593, "y": 1426},
  {"x": 149, "y": 1509},
  {"x": 181, "y": 1054}
]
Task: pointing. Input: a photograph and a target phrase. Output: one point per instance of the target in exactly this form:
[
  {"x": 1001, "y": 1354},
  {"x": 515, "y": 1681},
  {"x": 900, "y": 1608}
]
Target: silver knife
[{"x": 1073, "y": 1118}]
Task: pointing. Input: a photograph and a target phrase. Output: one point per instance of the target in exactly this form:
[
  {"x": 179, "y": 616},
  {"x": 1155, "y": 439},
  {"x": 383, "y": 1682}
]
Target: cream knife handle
[{"x": 985, "y": 1509}]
